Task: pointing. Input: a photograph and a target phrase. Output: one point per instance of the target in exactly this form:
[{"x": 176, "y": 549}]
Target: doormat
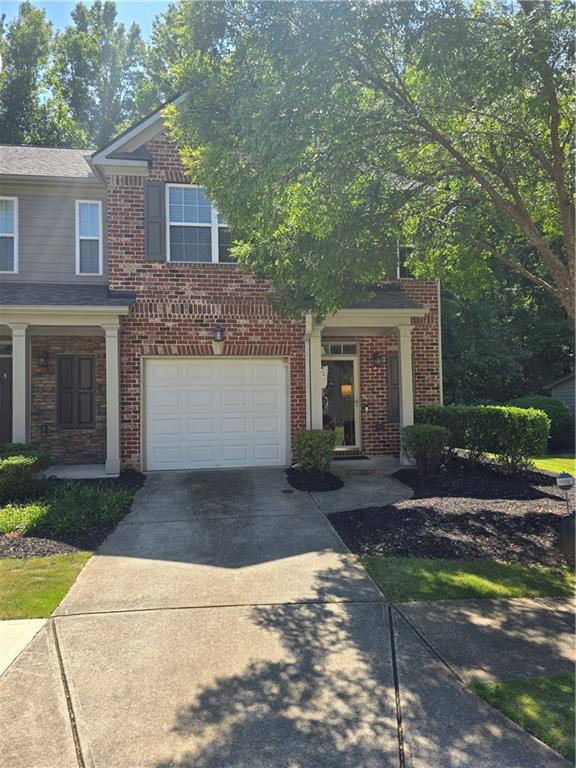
[{"x": 351, "y": 457}]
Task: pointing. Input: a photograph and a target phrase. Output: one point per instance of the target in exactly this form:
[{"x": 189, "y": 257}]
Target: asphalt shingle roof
[
  {"x": 46, "y": 162},
  {"x": 386, "y": 297},
  {"x": 62, "y": 294}
]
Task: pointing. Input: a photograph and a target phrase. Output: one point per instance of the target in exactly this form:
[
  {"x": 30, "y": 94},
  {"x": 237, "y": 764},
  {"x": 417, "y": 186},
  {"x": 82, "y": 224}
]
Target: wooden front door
[{"x": 5, "y": 399}]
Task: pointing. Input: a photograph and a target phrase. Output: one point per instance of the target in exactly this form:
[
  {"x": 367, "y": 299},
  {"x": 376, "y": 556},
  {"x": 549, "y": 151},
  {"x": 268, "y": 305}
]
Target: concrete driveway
[{"x": 225, "y": 625}]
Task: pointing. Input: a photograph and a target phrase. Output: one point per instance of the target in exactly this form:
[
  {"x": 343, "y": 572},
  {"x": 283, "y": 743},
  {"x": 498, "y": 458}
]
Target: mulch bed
[
  {"x": 41, "y": 545},
  {"x": 317, "y": 482},
  {"x": 470, "y": 511}
]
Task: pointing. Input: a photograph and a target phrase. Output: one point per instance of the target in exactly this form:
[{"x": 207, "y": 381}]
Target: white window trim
[
  {"x": 213, "y": 225},
  {"x": 99, "y": 238},
  {"x": 15, "y": 237}
]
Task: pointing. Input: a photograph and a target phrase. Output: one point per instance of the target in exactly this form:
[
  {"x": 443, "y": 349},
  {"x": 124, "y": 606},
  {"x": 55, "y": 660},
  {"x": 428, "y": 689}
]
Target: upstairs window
[
  {"x": 8, "y": 234},
  {"x": 197, "y": 234},
  {"x": 88, "y": 237}
]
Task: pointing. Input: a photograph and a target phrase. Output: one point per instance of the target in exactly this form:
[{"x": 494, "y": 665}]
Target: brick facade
[
  {"x": 66, "y": 446},
  {"x": 178, "y": 305}
]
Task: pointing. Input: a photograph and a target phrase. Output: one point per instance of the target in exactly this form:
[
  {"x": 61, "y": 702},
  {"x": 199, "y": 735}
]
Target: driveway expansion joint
[{"x": 68, "y": 697}]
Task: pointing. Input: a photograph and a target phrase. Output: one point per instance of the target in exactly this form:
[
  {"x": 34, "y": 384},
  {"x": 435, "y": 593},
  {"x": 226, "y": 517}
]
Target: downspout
[
  {"x": 440, "y": 367},
  {"x": 307, "y": 365}
]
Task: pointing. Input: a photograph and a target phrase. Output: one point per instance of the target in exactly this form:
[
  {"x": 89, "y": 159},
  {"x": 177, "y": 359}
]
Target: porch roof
[
  {"x": 62, "y": 295},
  {"x": 386, "y": 297}
]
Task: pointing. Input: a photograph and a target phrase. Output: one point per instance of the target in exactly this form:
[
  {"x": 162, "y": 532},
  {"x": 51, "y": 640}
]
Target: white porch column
[
  {"x": 19, "y": 383},
  {"x": 112, "y": 400},
  {"x": 316, "y": 378},
  {"x": 406, "y": 382}
]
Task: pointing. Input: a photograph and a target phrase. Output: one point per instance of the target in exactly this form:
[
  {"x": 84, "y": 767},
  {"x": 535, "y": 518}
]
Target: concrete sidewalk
[{"x": 225, "y": 625}]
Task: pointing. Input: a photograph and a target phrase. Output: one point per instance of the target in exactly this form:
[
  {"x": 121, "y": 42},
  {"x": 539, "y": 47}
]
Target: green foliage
[
  {"x": 425, "y": 445},
  {"x": 516, "y": 333},
  {"x": 25, "y": 449},
  {"x": 359, "y": 124},
  {"x": 513, "y": 435},
  {"x": 561, "y": 424},
  {"x": 22, "y": 518},
  {"x": 67, "y": 508},
  {"x": 97, "y": 69},
  {"x": 26, "y": 115},
  {"x": 20, "y": 475},
  {"x": 315, "y": 448}
]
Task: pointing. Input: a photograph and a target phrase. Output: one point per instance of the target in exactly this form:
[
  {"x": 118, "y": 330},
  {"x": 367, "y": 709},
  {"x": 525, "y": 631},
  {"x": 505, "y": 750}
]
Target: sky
[{"x": 58, "y": 12}]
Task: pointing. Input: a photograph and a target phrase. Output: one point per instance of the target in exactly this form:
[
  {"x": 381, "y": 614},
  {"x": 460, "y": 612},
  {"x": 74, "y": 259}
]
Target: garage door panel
[{"x": 205, "y": 413}]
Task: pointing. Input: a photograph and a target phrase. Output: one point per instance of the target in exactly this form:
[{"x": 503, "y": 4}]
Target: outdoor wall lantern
[
  {"x": 43, "y": 359},
  {"x": 377, "y": 359},
  {"x": 218, "y": 339}
]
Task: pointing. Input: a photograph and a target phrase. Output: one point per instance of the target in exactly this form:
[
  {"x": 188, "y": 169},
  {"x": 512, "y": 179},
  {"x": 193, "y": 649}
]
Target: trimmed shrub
[
  {"x": 425, "y": 445},
  {"x": 315, "y": 448},
  {"x": 22, "y": 518},
  {"x": 513, "y": 435},
  {"x": 23, "y": 449},
  {"x": 20, "y": 475},
  {"x": 561, "y": 424}
]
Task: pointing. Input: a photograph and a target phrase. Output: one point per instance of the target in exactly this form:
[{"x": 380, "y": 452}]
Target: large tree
[
  {"x": 327, "y": 131},
  {"x": 29, "y": 112},
  {"x": 98, "y": 69}
]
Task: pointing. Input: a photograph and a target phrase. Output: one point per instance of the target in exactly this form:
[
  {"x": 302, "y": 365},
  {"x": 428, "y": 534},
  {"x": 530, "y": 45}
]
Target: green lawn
[
  {"x": 542, "y": 705},
  {"x": 31, "y": 589},
  {"x": 406, "y": 579},
  {"x": 560, "y": 462}
]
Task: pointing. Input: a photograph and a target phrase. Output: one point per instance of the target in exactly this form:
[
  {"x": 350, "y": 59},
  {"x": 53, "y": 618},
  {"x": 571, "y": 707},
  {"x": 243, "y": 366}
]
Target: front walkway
[{"x": 225, "y": 625}]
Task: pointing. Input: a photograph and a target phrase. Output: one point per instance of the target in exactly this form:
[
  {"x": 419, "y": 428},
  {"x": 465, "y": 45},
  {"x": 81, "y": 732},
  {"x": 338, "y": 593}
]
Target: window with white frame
[
  {"x": 8, "y": 234},
  {"x": 196, "y": 232},
  {"x": 88, "y": 237}
]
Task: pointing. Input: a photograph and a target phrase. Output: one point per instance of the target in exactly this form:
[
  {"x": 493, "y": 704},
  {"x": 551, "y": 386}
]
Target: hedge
[
  {"x": 425, "y": 445},
  {"x": 315, "y": 449},
  {"x": 21, "y": 469},
  {"x": 561, "y": 423},
  {"x": 513, "y": 435}
]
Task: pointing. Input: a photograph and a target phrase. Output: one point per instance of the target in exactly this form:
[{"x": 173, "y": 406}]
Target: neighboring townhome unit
[{"x": 130, "y": 338}]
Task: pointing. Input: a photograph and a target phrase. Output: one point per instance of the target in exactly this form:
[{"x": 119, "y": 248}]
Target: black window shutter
[
  {"x": 393, "y": 387},
  {"x": 155, "y": 220},
  {"x": 76, "y": 391}
]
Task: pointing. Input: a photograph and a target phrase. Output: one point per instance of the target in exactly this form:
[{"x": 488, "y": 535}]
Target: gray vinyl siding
[
  {"x": 565, "y": 391},
  {"x": 47, "y": 232}
]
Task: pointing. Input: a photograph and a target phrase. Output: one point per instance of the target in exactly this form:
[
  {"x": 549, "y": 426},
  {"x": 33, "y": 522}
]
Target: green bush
[
  {"x": 561, "y": 424},
  {"x": 20, "y": 477},
  {"x": 315, "y": 449},
  {"x": 22, "y": 518},
  {"x": 23, "y": 449},
  {"x": 425, "y": 445},
  {"x": 513, "y": 435}
]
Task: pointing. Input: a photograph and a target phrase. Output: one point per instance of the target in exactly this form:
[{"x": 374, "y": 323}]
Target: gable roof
[
  {"x": 46, "y": 162},
  {"x": 126, "y": 149},
  {"x": 562, "y": 380}
]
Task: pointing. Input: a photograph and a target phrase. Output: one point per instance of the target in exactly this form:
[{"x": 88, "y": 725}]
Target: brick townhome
[{"x": 128, "y": 338}]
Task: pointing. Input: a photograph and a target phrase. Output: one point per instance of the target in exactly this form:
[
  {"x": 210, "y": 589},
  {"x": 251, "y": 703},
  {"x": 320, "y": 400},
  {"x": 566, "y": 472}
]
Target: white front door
[{"x": 208, "y": 413}]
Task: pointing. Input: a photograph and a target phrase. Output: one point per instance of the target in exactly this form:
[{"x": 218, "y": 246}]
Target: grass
[
  {"x": 31, "y": 589},
  {"x": 403, "y": 579},
  {"x": 560, "y": 462},
  {"x": 66, "y": 508},
  {"x": 543, "y": 705}
]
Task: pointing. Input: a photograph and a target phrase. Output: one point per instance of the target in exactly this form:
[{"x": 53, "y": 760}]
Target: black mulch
[
  {"x": 469, "y": 511},
  {"x": 313, "y": 481},
  {"x": 43, "y": 544}
]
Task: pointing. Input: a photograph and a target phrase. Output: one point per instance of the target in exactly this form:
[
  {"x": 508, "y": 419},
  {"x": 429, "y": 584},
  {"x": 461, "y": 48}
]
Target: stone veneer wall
[{"x": 66, "y": 446}]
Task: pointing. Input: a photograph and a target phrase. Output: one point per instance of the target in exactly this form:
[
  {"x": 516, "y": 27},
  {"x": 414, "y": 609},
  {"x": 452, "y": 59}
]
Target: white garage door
[{"x": 215, "y": 413}]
